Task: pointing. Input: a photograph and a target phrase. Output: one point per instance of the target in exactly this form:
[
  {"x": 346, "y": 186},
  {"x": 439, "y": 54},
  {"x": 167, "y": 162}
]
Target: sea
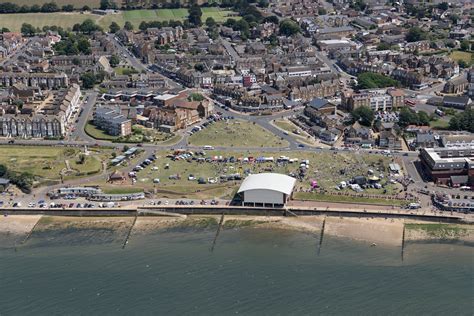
[{"x": 249, "y": 271}]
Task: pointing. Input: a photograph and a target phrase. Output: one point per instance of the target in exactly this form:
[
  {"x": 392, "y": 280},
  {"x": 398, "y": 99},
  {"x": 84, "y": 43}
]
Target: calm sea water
[{"x": 251, "y": 271}]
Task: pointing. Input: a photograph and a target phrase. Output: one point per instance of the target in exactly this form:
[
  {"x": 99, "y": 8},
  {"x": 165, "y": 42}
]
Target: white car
[{"x": 31, "y": 204}]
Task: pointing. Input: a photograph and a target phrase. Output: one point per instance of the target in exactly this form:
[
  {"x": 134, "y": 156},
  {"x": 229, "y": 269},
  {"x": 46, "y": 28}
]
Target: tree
[
  {"x": 107, "y": 4},
  {"x": 68, "y": 8},
  {"x": 28, "y": 29},
  {"x": 49, "y": 7},
  {"x": 128, "y": 26},
  {"x": 114, "y": 61},
  {"x": 415, "y": 34},
  {"x": 383, "y": 46},
  {"x": 143, "y": 26},
  {"x": 407, "y": 117},
  {"x": 364, "y": 115},
  {"x": 84, "y": 46},
  {"x": 322, "y": 11},
  {"x": 289, "y": 27},
  {"x": 199, "y": 67},
  {"x": 114, "y": 27},
  {"x": 88, "y": 80},
  {"x": 210, "y": 22},
  {"x": 195, "y": 15},
  {"x": 369, "y": 80},
  {"x": 88, "y": 26},
  {"x": 272, "y": 19},
  {"x": 463, "y": 121},
  {"x": 465, "y": 45},
  {"x": 5, "y": 30},
  {"x": 462, "y": 64},
  {"x": 86, "y": 8},
  {"x": 443, "y": 6}
]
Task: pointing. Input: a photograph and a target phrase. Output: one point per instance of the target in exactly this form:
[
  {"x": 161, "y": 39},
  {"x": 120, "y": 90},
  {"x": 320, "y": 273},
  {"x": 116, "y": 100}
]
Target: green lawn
[
  {"x": 65, "y": 20},
  {"x": 468, "y": 57},
  {"x": 121, "y": 190},
  {"x": 236, "y": 133},
  {"x": 97, "y": 133},
  {"x": 441, "y": 123},
  {"x": 47, "y": 162}
]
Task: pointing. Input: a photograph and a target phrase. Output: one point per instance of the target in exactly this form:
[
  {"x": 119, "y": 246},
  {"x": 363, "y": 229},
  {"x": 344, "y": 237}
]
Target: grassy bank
[{"x": 439, "y": 231}]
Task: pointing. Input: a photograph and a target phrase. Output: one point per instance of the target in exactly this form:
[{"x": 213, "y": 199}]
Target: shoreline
[{"x": 389, "y": 232}]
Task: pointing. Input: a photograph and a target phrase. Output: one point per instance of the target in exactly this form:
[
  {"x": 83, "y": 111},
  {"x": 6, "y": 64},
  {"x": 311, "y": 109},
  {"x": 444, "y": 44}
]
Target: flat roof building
[
  {"x": 441, "y": 164},
  {"x": 266, "y": 189}
]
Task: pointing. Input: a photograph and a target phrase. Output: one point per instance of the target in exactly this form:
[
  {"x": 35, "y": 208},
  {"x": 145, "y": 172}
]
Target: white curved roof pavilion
[{"x": 266, "y": 189}]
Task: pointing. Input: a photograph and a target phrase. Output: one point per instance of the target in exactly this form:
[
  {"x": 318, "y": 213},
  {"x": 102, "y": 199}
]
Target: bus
[{"x": 410, "y": 102}]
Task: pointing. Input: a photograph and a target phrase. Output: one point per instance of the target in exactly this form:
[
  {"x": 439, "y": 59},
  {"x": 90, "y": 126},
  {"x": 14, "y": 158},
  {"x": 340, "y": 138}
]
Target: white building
[{"x": 266, "y": 189}]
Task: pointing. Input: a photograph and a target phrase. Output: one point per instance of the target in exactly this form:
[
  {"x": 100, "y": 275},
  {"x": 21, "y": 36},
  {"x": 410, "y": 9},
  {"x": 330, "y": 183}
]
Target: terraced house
[{"x": 47, "y": 115}]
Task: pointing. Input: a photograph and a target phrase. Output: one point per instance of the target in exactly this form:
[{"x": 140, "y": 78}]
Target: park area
[
  {"x": 236, "y": 133},
  {"x": 218, "y": 174},
  {"x": 295, "y": 132},
  {"x": 47, "y": 164},
  {"x": 67, "y": 20}
]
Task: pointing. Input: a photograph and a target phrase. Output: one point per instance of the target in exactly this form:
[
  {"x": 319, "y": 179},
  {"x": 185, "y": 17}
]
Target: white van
[{"x": 207, "y": 147}]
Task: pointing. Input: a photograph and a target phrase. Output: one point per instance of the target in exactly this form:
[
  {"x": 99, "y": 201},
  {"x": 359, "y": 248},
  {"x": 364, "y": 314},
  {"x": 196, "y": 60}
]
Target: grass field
[
  {"x": 290, "y": 127},
  {"x": 236, "y": 133},
  {"x": 468, "y": 57},
  {"x": 65, "y": 20},
  {"x": 47, "y": 162},
  {"x": 97, "y": 133},
  {"x": 324, "y": 167},
  {"x": 77, "y": 4},
  {"x": 442, "y": 123}
]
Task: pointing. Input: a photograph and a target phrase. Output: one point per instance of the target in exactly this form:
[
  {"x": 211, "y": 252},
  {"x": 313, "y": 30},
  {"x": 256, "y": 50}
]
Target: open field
[
  {"x": 327, "y": 169},
  {"x": 442, "y": 123},
  {"x": 47, "y": 163},
  {"x": 77, "y": 4},
  {"x": 65, "y": 20},
  {"x": 236, "y": 133},
  {"x": 468, "y": 57}
]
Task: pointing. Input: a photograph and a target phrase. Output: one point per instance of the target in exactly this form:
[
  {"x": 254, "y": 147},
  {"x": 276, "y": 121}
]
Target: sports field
[{"x": 65, "y": 20}]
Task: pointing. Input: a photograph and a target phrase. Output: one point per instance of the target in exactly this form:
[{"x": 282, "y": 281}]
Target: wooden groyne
[
  {"x": 221, "y": 222},
  {"x": 130, "y": 231},
  {"x": 30, "y": 232},
  {"x": 321, "y": 236},
  {"x": 403, "y": 242}
]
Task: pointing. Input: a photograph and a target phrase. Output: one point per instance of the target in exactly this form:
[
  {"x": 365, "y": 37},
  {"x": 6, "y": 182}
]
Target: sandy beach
[{"x": 15, "y": 228}]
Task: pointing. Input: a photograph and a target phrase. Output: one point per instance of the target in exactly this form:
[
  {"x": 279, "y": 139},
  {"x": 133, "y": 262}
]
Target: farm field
[
  {"x": 77, "y": 4},
  {"x": 236, "y": 133},
  {"x": 47, "y": 163},
  {"x": 327, "y": 169},
  {"x": 65, "y": 20}
]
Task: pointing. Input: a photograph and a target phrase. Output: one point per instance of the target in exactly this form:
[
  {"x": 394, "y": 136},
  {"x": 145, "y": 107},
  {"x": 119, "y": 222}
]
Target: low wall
[{"x": 231, "y": 210}]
